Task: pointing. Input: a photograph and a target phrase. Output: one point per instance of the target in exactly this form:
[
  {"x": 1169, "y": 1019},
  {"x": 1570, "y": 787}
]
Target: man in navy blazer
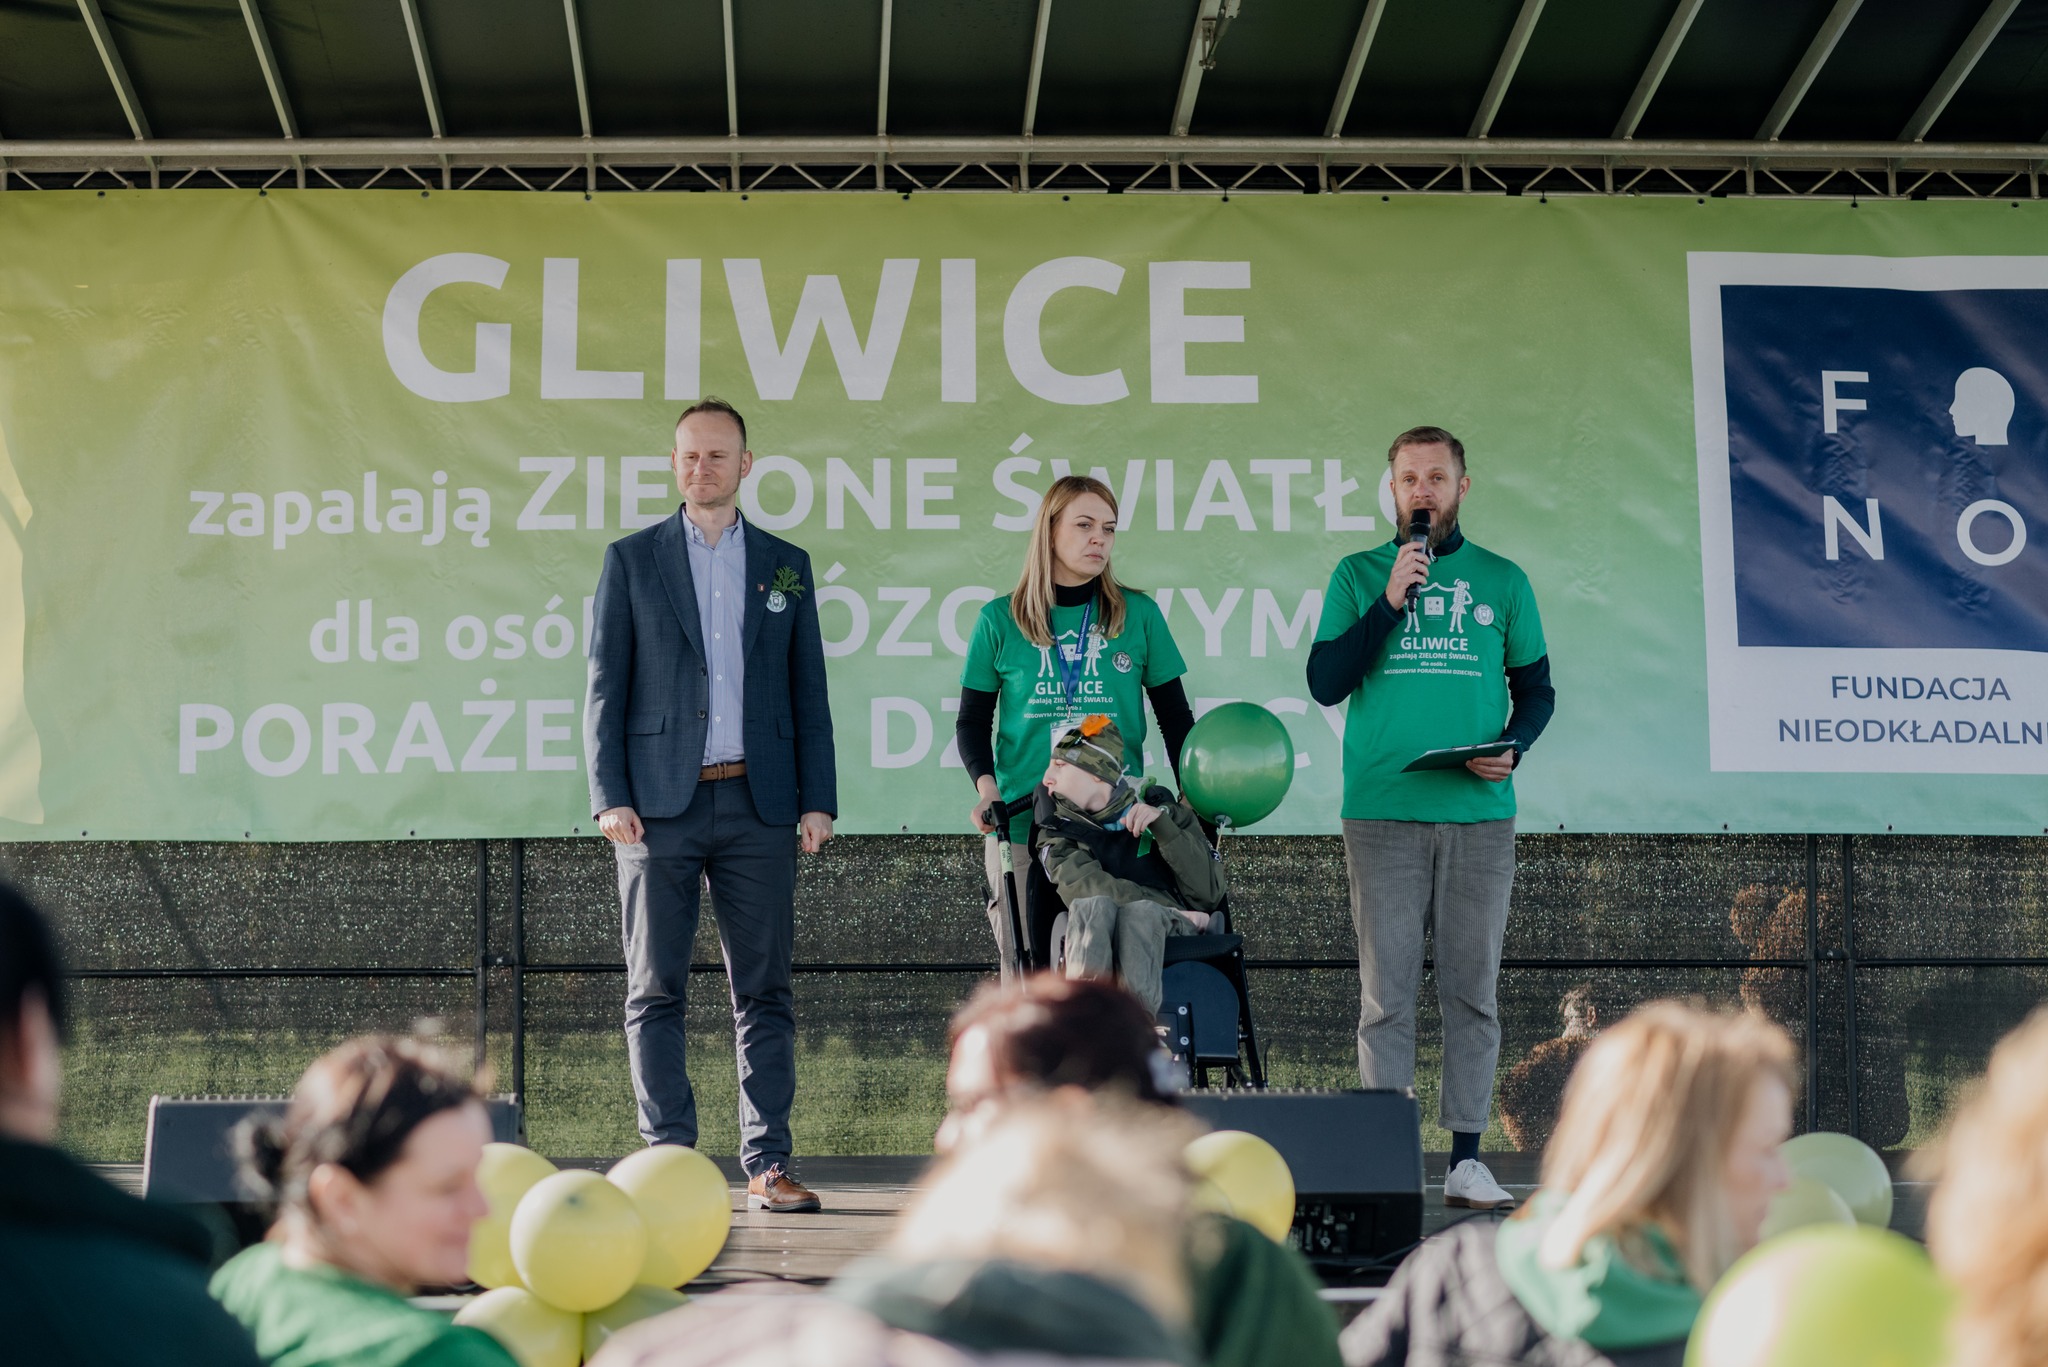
[{"x": 709, "y": 736}]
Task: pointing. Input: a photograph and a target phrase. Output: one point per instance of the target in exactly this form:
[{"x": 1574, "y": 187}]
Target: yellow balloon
[
  {"x": 1808, "y": 1201},
  {"x": 642, "y": 1302},
  {"x": 1826, "y": 1296},
  {"x": 688, "y": 1209},
  {"x": 577, "y": 1241},
  {"x": 1250, "y": 1175},
  {"x": 507, "y": 1173},
  {"x": 534, "y": 1332}
]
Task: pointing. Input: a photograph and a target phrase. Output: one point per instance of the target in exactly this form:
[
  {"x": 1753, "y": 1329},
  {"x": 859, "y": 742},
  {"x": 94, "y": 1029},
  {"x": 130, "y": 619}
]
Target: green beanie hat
[{"x": 1093, "y": 746}]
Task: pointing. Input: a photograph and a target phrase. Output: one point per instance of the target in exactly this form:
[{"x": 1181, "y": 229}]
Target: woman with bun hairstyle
[
  {"x": 1071, "y": 639},
  {"x": 372, "y": 1170}
]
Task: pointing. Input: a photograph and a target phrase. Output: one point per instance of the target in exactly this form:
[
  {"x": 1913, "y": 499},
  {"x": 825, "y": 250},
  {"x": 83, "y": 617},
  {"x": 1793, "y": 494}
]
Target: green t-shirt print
[
  {"x": 1112, "y": 676},
  {"x": 1440, "y": 680}
]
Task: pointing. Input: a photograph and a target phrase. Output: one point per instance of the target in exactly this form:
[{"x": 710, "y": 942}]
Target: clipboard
[{"x": 1455, "y": 756}]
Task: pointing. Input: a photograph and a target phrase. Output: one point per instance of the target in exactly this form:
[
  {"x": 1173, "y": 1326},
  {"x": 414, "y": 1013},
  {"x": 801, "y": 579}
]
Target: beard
[{"x": 1443, "y": 521}]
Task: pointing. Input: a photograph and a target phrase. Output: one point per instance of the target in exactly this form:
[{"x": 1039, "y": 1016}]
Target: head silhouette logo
[
  {"x": 1983, "y": 406},
  {"x": 1873, "y": 456}
]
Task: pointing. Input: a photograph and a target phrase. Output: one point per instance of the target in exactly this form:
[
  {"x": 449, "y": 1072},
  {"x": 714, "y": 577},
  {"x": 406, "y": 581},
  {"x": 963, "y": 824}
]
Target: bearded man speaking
[{"x": 1433, "y": 640}]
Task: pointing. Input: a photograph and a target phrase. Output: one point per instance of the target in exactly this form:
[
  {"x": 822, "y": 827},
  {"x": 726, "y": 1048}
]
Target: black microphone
[{"x": 1418, "y": 536}]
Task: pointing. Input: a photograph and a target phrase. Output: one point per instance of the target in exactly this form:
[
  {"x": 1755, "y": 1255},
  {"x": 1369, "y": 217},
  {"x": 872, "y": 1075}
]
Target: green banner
[{"x": 303, "y": 495}]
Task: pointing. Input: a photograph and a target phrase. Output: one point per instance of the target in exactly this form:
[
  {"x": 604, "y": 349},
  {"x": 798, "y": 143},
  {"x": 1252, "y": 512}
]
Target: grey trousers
[
  {"x": 1452, "y": 880},
  {"x": 751, "y": 867},
  {"x": 1129, "y": 940}
]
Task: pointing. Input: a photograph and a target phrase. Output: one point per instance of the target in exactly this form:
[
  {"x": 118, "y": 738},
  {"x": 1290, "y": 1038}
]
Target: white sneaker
[{"x": 1472, "y": 1186}]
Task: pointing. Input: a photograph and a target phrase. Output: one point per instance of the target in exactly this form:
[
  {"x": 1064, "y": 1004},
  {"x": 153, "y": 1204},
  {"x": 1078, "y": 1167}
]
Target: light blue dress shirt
[{"x": 720, "y": 575}]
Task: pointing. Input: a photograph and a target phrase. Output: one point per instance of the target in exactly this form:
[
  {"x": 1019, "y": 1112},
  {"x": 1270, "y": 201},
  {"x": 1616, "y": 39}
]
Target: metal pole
[
  {"x": 1812, "y": 983},
  {"x": 519, "y": 972},
  {"x": 483, "y": 951},
  {"x": 1849, "y": 977}
]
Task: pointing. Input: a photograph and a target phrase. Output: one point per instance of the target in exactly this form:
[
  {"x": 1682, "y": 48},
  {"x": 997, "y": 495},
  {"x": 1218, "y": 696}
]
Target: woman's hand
[{"x": 985, "y": 792}]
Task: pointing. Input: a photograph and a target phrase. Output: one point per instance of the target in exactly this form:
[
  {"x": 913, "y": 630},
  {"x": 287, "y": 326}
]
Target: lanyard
[{"x": 1070, "y": 670}]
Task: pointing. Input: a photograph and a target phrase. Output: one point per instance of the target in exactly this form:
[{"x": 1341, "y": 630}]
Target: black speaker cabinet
[
  {"x": 1356, "y": 1157},
  {"x": 188, "y": 1157}
]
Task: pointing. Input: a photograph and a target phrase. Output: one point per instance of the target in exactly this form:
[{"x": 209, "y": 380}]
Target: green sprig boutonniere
[{"x": 786, "y": 582}]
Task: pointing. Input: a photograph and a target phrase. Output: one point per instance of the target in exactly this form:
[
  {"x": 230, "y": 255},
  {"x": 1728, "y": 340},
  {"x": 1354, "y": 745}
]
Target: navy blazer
[{"x": 645, "y": 712}]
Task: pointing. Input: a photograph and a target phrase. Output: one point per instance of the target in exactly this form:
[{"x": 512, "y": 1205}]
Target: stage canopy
[{"x": 1866, "y": 97}]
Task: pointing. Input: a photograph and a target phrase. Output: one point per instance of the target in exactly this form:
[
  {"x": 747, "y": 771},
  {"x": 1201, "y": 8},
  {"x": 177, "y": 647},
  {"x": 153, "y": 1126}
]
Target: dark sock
[{"x": 1463, "y": 1146}]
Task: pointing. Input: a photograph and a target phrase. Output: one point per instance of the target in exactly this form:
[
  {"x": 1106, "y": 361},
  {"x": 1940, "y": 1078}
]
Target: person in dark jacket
[
  {"x": 1660, "y": 1172},
  {"x": 89, "y": 1276},
  {"x": 1129, "y": 860}
]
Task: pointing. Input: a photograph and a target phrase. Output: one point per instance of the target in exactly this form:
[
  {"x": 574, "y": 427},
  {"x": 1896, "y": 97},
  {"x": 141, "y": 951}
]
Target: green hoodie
[{"x": 1603, "y": 1299}]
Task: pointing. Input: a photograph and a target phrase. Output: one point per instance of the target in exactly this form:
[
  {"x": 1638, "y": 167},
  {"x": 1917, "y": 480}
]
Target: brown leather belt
[{"x": 711, "y": 773}]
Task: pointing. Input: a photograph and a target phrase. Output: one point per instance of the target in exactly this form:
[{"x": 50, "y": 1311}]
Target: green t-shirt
[
  {"x": 1109, "y": 675},
  {"x": 1440, "y": 681},
  {"x": 324, "y": 1317}
]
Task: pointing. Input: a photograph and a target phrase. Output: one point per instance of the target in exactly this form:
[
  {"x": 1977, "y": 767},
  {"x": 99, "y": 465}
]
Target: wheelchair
[{"x": 1205, "y": 1005}]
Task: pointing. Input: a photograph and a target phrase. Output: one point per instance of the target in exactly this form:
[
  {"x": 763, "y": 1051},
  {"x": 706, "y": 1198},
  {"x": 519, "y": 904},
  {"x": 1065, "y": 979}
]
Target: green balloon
[
  {"x": 1237, "y": 764},
  {"x": 1848, "y": 1165},
  {"x": 1808, "y": 1201},
  {"x": 1826, "y": 1296}
]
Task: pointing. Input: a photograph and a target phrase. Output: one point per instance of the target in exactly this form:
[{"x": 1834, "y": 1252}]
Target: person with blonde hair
[
  {"x": 1051, "y": 1233},
  {"x": 1658, "y": 1176},
  {"x": 1059, "y": 1228},
  {"x": 372, "y": 1172},
  {"x": 1070, "y": 640},
  {"x": 1987, "y": 1225},
  {"x": 1252, "y": 1300}
]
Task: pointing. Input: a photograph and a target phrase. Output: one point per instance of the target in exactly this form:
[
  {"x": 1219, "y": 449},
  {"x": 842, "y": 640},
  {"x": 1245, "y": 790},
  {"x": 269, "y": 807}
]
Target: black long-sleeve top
[
  {"x": 974, "y": 730},
  {"x": 1337, "y": 667}
]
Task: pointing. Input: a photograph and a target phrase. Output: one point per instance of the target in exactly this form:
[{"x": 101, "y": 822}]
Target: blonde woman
[
  {"x": 1988, "y": 1223},
  {"x": 1059, "y": 1229},
  {"x": 1664, "y": 1161},
  {"x": 1068, "y": 641}
]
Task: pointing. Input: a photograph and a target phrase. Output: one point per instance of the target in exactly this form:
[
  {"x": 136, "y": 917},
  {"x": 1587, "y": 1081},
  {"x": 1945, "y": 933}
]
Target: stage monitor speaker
[
  {"x": 1356, "y": 1157},
  {"x": 188, "y": 1157}
]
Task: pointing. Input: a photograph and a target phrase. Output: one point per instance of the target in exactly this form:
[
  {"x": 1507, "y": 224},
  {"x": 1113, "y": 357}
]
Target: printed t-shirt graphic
[
  {"x": 1109, "y": 675},
  {"x": 1440, "y": 680}
]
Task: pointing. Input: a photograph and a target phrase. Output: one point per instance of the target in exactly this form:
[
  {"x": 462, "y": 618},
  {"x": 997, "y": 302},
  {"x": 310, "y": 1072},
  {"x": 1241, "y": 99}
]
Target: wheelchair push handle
[{"x": 997, "y": 815}]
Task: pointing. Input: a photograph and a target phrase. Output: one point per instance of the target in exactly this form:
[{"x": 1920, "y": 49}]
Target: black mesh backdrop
[{"x": 1895, "y": 962}]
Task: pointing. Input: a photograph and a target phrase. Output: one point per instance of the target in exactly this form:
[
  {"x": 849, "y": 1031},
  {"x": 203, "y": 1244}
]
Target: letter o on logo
[
  {"x": 252, "y": 739},
  {"x": 2004, "y": 510}
]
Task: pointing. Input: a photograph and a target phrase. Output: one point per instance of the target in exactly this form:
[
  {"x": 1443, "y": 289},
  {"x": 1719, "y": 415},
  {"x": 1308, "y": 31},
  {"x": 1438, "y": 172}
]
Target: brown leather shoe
[{"x": 775, "y": 1190}]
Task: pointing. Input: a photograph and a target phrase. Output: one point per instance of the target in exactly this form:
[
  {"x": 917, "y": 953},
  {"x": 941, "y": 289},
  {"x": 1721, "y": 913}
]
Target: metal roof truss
[{"x": 1188, "y": 165}]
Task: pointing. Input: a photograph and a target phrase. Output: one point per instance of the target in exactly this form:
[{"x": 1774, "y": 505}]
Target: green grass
[
  {"x": 579, "y": 1093},
  {"x": 580, "y": 1098}
]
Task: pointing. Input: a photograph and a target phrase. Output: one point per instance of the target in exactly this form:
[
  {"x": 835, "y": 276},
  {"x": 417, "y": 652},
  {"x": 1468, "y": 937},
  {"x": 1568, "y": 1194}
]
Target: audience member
[
  {"x": 92, "y": 1276},
  {"x": 372, "y": 1170},
  {"x": 743, "y": 1329},
  {"x": 1662, "y": 1167},
  {"x": 1987, "y": 1225},
  {"x": 1058, "y": 1229},
  {"x": 1254, "y": 1302}
]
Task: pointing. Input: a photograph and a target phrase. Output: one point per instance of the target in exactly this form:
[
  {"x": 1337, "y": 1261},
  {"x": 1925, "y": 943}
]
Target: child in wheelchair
[{"x": 1130, "y": 862}]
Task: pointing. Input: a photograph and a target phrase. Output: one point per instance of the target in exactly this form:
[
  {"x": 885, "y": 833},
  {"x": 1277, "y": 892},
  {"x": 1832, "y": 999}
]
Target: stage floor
[{"x": 861, "y": 1196}]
